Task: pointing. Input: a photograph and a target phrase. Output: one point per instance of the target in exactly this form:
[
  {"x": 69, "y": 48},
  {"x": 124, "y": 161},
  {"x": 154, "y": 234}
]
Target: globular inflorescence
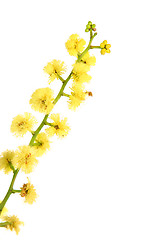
[{"x": 43, "y": 100}]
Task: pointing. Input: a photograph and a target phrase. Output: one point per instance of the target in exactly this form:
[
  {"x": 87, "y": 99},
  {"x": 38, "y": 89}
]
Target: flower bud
[
  {"x": 103, "y": 51},
  {"x": 105, "y": 42},
  {"x": 90, "y": 23},
  {"x": 108, "y": 51},
  {"x": 88, "y": 26},
  {"x": 108, "y": 46},
  {"x": 102, "y": 45}
]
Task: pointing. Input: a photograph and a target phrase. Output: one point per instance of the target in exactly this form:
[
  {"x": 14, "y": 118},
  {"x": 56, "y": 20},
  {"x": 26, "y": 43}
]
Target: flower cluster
[
  {"x": 25, "y": 159},
  {"x": 105, "y": 47},
  {"x": 80, "y": 76},
  {"x": 28, "y": 192},
  {"x": 42, "y": 100},
  {"x": 42, "y": 144},
  {"x": 22, "y": 124},
  {"x": 75, "y": 44},
  {"x": 6, "y": 161},
  {"x": 58, "y": 126},
  {"x": 12, "y": 223},
  {"x": 55, "y": 69},
  {"x": 90, "y": 26}
]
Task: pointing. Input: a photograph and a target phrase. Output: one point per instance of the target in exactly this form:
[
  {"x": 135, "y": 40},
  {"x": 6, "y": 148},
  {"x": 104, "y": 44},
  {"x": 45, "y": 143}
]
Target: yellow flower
[
  {"x": 79, "y": 73},
  {"x": 28, "y": 191},
  {"x": 88, "y": 60},
  {"x": 13, "y": 223},
  {"x": 81, "y": 77},
  {"x": 77, "y": 96},
  {"x": 42, "y": 144},
  {"x": 41, "y": 100},
  {"x": 22, "y": 124},
  {"x": 4, "y": 211},
  {"x": 105, "y": 47},
  {"x": 55, "y": 69},
  {"x": 80, "y": 67},
  {"x": 59, "y": 127},
  {"x": 74, "y": 45},
  {"x": 25, "y": 159},
  {"x": 6, "y": 161}
]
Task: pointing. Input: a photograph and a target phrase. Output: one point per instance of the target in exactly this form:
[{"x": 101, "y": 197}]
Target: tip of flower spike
[{"x": 90, "y": 26}]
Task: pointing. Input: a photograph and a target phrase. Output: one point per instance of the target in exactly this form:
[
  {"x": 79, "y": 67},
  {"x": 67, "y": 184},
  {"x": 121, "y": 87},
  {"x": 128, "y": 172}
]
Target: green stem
[
  {"x": 62, "y": 89},
  {"x": 91, "y": 33},
  {"x": 60, "y": 77},
  {"x": 87, "y": 48},
  {"x": 92, "y": 47},
  {"x": 16, "y": 191},
  {"x": 50, "y": 124},
  {"x": 65, "y": 95},
  {"x": 11, "y": 166},
  {"x": 4, "y": 224},
  {"x": 36, "y": 144},
  {"x": 38, "y": 130},
  {"x": 2, "y": 204}
]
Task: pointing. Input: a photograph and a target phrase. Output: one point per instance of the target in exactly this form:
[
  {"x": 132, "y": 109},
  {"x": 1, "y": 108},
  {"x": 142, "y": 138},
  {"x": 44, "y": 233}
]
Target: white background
[{"x": 100, "y": 182}]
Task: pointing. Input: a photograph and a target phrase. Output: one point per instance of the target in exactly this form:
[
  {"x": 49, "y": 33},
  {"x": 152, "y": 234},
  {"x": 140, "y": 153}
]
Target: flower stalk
[
  {"x": 42, "y": 100},
  {"x": 10, "y": 190},
  {"x": 4, "y": 224}
]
